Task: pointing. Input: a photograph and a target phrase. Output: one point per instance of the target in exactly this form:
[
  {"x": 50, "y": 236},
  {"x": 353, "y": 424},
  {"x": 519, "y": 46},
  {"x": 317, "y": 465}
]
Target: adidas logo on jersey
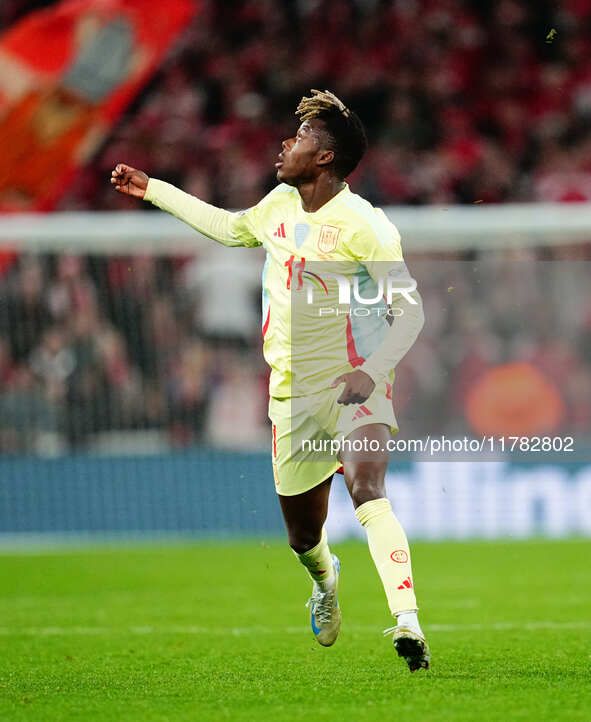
[
  {"x": 280, "y": 232},
  {"x": 406, "y": 584}
]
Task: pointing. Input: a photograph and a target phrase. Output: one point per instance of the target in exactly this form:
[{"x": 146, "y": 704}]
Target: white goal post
[{"x": 423, "y": 229}]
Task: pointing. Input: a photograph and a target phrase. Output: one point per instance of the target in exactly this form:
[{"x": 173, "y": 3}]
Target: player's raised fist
[{"x": 128, "y": 180}]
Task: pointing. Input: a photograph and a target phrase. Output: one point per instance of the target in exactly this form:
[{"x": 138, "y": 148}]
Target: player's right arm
[{"x": 231, "y": 229}]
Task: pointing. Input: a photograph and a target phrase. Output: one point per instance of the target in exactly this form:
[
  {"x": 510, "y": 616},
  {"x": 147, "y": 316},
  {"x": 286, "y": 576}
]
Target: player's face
[{"x": 299, "y": 160}]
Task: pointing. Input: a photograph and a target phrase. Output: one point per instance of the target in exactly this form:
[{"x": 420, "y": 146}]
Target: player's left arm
[{"x": 378, "y": 248}]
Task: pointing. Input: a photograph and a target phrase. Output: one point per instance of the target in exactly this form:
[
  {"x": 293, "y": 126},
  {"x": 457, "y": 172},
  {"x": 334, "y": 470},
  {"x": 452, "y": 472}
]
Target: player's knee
[
  {"x": 301, "y": 540},
  {"x": 365, "y": 481},
  {"x": 362, "y": 492}
]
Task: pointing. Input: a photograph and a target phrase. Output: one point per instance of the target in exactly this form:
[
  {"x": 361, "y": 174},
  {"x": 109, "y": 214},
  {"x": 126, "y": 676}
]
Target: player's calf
[{"x": 391, "y": 554}]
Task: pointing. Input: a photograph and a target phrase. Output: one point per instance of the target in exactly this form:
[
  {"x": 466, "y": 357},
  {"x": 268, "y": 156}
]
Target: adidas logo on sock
[
  {"x": 406, "y": 584},
  {"x": 315, "y": 571}
]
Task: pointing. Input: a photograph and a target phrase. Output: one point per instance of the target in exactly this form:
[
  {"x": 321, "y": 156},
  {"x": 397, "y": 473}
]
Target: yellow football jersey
[
  {"x": 323, "y": 280},
  {"x": 309, "y": 337}
]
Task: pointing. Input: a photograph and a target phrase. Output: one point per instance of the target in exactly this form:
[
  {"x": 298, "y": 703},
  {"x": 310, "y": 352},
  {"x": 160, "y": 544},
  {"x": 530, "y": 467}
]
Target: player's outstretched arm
[{"x": 230, "y": 229}]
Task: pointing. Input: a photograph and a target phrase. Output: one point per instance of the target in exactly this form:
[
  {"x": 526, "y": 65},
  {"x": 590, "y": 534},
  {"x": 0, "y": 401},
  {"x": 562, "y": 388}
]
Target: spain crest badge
[{"x": 328, "y": 238}]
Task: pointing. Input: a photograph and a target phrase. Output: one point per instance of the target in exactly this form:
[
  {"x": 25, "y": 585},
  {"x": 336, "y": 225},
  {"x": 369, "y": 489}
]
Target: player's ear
[{"x": 325, "y": 157}]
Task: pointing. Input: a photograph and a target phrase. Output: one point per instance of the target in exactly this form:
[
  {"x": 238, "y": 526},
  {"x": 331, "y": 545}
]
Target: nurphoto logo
[{"x": 394, "y": 288}]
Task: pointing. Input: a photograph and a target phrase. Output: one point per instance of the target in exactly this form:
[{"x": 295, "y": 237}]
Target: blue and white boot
[{"x": 325, "y": 613}]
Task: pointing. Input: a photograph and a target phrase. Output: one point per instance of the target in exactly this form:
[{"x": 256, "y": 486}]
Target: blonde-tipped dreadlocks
[
  {"x": 320, "y": 101},
  {"x": 344, "y": 131}
]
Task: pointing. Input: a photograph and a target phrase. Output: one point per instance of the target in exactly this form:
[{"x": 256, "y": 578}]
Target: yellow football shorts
[{"x": 304, "y": 427}]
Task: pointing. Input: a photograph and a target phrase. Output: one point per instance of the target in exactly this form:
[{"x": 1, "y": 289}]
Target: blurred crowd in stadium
[
  {"x": 92, "y": 345},
  {"x": 463, "y": 101}
]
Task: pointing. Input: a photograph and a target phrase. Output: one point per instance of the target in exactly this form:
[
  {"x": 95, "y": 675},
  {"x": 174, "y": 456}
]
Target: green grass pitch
[{"x": 219, "y": 632}]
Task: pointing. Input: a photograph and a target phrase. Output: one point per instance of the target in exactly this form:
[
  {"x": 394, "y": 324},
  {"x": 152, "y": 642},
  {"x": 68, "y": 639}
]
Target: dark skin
[{"x": 306, "y": 162}]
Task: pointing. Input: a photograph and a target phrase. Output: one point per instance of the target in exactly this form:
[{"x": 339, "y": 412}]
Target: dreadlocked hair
[{"x": 345, "y": 130}]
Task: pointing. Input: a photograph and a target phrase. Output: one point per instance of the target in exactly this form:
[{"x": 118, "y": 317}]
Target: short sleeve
[{"x": 376, "y": 245}]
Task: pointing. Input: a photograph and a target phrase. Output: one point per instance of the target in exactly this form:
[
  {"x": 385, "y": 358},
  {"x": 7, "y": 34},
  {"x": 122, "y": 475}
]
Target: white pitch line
[
  {"x": 254, "y": 630},
  {"x": 504, "y": 626}
]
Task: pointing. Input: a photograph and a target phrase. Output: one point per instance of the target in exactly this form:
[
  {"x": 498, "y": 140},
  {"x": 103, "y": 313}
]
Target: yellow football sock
[
  {"x": 389, "y": 549},
  {"x": 318, "y": 560}
]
